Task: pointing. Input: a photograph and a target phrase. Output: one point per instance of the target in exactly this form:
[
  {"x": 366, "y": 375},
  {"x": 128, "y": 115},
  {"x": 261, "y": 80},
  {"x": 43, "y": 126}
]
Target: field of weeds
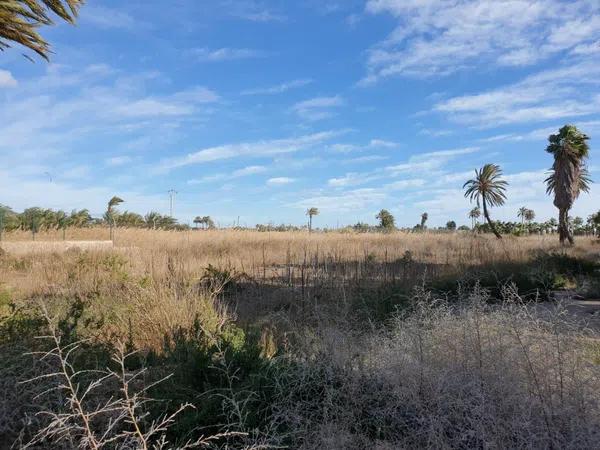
[{"x": 240, "y": 339}]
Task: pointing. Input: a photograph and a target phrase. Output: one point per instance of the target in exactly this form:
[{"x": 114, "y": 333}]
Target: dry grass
[{"x": 443, "y": 374}]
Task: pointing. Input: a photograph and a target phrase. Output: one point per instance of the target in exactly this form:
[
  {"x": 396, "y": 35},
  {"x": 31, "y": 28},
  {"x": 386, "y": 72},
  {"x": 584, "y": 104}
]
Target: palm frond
[{"x": 20, "y": 19}]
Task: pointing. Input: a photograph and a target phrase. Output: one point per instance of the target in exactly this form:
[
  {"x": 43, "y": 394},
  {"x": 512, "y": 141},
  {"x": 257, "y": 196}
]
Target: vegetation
[
  {"x": 386, "y": 220},
  {"x": 404, "y": 340},
  {"x": 311, "y": 212},
  {"x": 568, "y": 175},
  {"x": 20, "y": 20},
  {"x": 488, "y": 189}
]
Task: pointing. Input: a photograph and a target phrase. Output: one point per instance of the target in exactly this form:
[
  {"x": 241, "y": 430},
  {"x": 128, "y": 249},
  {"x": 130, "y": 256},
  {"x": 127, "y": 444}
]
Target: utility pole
[{"x": 172, "y": 193}]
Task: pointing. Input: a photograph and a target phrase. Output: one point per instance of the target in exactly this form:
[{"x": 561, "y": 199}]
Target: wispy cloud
[
  {"x": 348, "y": 201},
  {"x": 278, "y": 89},
  {"x": 227, "y": 54},
  {"x": 116, "y": 161},
  {"x": 438, "y": 37},
  {"x": 318, "y": 108},
  {"x": 6, "y": 79},
  {"x": 548, "y": 95},
  {"x": 104, "y": 17},
  {"x": 239, "y": 173},
  {"x": 280, "y": 181},
  {"x": 422, "y": 164},
  {"x": 250, "y": 150}
]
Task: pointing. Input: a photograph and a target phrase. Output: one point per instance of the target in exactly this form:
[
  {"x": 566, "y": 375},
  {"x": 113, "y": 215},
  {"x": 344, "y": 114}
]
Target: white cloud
[
  {"x": 249, "y": 150},
  {"x": 6, "y": 79},
  {"x": 116, "y": 161},
  {"x": 227, "y": 54},
  {"x": 278, "y": 89},
  {"x": 349, "y": 201},
  {"x": 438, "y": 37},
  {"x": 280, "y": 181},
  {"x": 379, "y": 143},
  {"x": 104, "y": 17},
  {"x": 564, "y": 92},
  {"x": 542, "y": 134},
  {"x": 317, "y": 108},
  {"x": 239, "y": 173},
  {"x": 42, "y": 118},
  {"x": 423, "y": 164}
]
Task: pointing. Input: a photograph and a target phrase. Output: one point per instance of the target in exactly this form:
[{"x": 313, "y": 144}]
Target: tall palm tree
[
  {"x": 474, "y": 214},
  {"x": 487, "y": 188},
  {"x": 311, "y": 212},
  {"x": 522, "y": 213},
  {"x": 20, "y": 19},
  {"x": 568, "y": 175}
]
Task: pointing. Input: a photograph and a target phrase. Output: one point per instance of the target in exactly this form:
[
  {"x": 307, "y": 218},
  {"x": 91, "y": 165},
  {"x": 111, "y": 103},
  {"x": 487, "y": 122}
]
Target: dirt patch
[{"x": 20, "y": 248}]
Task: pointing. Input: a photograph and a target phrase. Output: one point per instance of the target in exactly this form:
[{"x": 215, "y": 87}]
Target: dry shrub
[{"x": 467, "y": 376}]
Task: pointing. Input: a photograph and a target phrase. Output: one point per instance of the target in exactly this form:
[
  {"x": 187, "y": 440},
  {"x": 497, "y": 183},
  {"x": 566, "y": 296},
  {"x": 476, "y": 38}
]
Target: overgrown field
[{"x": 239, "y": 339}]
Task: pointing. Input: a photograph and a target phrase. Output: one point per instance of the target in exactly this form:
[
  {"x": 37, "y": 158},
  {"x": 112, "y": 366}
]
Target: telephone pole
[{"x": 172, "y": 193}]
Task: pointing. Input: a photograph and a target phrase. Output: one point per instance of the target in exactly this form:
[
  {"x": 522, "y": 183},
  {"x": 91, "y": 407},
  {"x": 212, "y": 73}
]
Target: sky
[{"x": 253, "y": 111}]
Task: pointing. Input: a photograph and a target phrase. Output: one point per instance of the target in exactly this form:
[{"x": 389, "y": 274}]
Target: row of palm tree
[{"x": 567, "y": 179}]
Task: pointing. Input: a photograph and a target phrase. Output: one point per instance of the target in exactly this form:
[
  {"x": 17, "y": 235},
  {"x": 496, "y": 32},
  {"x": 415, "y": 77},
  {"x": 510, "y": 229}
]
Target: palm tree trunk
[
  {"x": 489, "y": 221},
  {"x": 563, "y": 227},
  {"x": 310, "y": 223}
]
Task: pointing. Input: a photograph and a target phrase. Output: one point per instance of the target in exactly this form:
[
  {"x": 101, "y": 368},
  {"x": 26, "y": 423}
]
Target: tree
[
  {"x": 207, "y": 220},
  {"x": 594, "y": 223},
  {"x": 529, "y": 216},
  {"x": 487, "y": 188},
  {"x": 63, "y": 222},
  {"x": 152, "y": 219},
  {"x": 20, "y": 19},
  {"x": 568, "y": 175},
  {"x": 522, "y": 213},
  {"x": 451, "y": 225},
  {"x": 474, "y": 214},
  {"x": 424, "y": 218},
  {"x": 32, "y": 219},
  {"x": 311, "y": 212},
  {"x": 386, "y": 220},
  {"x": 111, "y": 214}
]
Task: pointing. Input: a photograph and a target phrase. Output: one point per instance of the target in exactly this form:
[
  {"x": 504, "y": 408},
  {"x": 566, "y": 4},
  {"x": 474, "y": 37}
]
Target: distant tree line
[{"x": 39, "y": 219}]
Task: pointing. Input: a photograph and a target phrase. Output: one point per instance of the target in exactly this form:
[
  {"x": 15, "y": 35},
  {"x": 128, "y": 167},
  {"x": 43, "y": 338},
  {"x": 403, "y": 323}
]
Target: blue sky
[{"x": 261, "y": 109}]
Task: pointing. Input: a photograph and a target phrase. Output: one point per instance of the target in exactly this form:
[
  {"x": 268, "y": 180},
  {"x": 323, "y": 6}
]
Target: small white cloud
[
  {"x": 6, "y": 79},
  {"x": 227, "y": 54},
  {"x": 278, "y": 89},
  {"x": 318, "y": 108},
  {"x": 280, "y": 181},
  {"x": 379, "y": 143},
  {"x": 118, "y": 161}
]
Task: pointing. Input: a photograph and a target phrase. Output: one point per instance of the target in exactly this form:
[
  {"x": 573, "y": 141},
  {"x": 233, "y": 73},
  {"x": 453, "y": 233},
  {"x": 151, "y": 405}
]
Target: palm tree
[
  {"x": 529, "y": 216},
  {"x": 311, "y": 212},
  {"x": 568, "y": 175},
  {"x": 63, "y": 222},
  {"x": 20, "y": 19},
  {"x": 487, "y": 188},
  {"x": 197, "y": 221},
  {"x": 110, "y": 213},
  {"x": 474, "y": 214},
  {"x": 522, "y": 213},
  {"x": 424, "y": 218}
]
